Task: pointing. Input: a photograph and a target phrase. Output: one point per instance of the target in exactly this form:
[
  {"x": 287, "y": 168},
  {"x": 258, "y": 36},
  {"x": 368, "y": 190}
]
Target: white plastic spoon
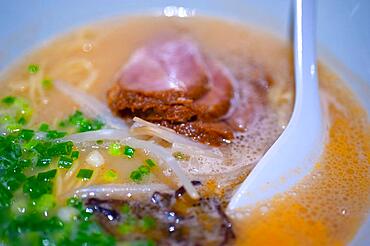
[{"x": 294, "y": 153}]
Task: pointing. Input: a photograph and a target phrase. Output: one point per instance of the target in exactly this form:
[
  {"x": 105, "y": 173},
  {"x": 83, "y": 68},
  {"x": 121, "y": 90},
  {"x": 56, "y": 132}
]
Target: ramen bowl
[{"x": 342, "y": 32}]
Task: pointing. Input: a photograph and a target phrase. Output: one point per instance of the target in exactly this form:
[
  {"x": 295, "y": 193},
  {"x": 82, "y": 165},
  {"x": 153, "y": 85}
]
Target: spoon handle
[{"x": 306, "y": 90}]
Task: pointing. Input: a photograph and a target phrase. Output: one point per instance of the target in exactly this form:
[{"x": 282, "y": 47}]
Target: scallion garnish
[
  {"x": 129, "y": 151},
  {"x": 15, "y": 113},
  {"x": 25, "y": 216},
  {"x": 75, "y": 203},
  {"x": 33, "y": 68},
  {"x": 114, "y": 149},
  {"x": 45, "y": 203},
  {"x": 22, "y": 120},
  {"x": 26, "y": 134},
  {"x": 85, "y": 173},
  {"x": 75, "y": 154},
  {"x": 80, "y": 123},
  {"x": 36, "y": 187},
  {"x": 142, "y": 171},
  {"x": 62, "y": 124},
  {"x": 47, "y": 83},
  {"x": 44, "y": 127},
  {"x": 54, "y": 134},
  {"x": 46, "y": 176},
  {"x": 136, "y": 176},
  {"x": 9, "y": 100},
  {"x": 63, "y": 148},
  {"x": 65, "y": 162},
  {"x": 43, "y": 161},
  {"x": 110, "y": 175},
  {"x": 150, "y": 162}
]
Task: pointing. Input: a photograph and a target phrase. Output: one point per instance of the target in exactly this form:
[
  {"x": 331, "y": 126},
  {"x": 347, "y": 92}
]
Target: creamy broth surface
[
  {"x": 324, "y": 209},
  {"x": 328, "y": 206}
]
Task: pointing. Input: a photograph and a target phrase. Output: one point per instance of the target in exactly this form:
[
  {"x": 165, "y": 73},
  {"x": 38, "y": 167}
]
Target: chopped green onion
[
  {"x": 31, "y": 144},
  {"x": 75, "y": 203},
  {"x": 45, "y": 203},
  {"x": 81, "y": 123},
  {"x": 48, "y": 175},
  {"x": 65, "y": 162},
  {"x": 63, "y": 148},
  {"x": 21, "y": 112},
  {"x": 85, "y": 173},
  {"x": 129, "y": 151},
  {"x": 53, "y": 134},
  {"x": 136, "y": 176},
  {"x": 114, "y": 149},
  {"x": 40, "y": 147},
  {"x": 86, "y": 214},
  {"x": 44, "y": 127},
  {"x": 9, "y": 100},
  {"x": 47, "y": 83},
  {"x": 75, "y": 154},
  {"x": 26, "y": 134},
  {"x": 110, "y": 175},
  {"x": 28, "y": 214},
  {"x": 150, "y": 162},
  {"x": 43, "y": 161},
  {"x": 84, "y": 124},
  {"x": 35, "y": 187},
  {"x": 76, "y": 117},
  {"x": 62, "y": 124},
  {"x": 22, "y": 121},
  {"x": 33, "y": 68},
  {"x": 144, "y": 170}
]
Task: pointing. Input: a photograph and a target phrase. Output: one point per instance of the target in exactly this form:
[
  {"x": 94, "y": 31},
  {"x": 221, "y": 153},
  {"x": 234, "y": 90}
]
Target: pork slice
[
  {"x": 212, "y": 133},
  {"x": 173, "y": 65},
  {"x": 172, "y": 83},
  {"x": 219, "y": 101},
  {"x": 151, "y": 106},
  {"x": 252, "y": 98},
  {"x": 160, "y": 82}
]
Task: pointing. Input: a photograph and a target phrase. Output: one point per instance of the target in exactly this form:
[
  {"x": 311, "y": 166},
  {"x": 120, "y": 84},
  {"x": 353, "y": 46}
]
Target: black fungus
[
  {"x": 177, "y": 221},
  {"x": 103, "y": 208},
  {"x": 163, "y": 200},
  {"x": 226, "y": 226}
]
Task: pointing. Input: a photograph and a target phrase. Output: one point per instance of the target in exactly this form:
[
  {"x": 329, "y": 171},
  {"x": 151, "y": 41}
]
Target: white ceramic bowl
[{"x": 343, "y": 31}]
